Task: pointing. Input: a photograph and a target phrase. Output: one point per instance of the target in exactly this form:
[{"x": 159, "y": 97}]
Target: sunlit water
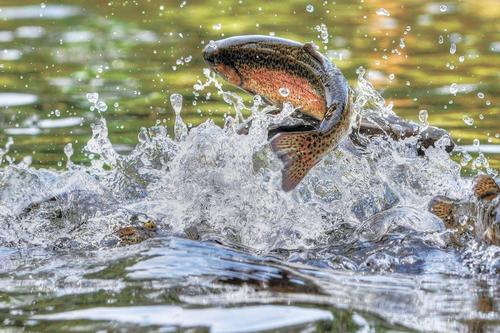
[{"x": 352, "y": 249}]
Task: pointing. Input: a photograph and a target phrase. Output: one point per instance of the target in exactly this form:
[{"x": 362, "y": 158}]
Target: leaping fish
[{"x": 281, "y": 70}]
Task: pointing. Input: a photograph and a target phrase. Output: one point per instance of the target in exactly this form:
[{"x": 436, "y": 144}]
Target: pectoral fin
[{"x": 331, "y": 118}]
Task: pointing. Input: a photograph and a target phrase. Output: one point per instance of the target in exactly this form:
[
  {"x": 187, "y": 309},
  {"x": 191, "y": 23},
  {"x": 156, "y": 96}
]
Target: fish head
[{"x": 220, "y": 60}]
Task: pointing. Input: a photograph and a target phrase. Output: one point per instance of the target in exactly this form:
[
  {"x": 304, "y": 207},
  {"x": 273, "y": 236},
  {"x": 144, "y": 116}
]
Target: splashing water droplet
[
  {"x": 284, "y": 92},
  {"x": 310, "y": 8},
  {"x": 468, "y": 120},
  {"x": 180, "y": 128},
  {"x": 101, "y": 106},
  {"x": 92, "y": 97},
  {"x": 383, "y": 12},
  {"x": 176, "y": 102},
  {"x": 68, "y": 151},
  {"x": 423, "y": 116},
  {"x": 453, "y": 88},
  {"x": 453, "y": 48}
]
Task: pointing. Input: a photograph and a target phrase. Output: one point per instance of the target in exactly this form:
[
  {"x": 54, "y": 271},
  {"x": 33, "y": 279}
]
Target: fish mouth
[{"x": 210, "y": 53}]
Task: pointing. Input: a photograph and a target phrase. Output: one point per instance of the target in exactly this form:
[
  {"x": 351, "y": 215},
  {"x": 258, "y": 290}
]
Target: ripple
[
  {"x": 6, "y": 36},
  {"x": 78, "y": 36},
  {"x": 33, "y": 12},
  {"x": 22, "y": 131},
  {"x": 10, "y": 54},
  {"x": 58, "y": 123},
  {"x": 488, "y": 149},
  {"x": 242, "y": 319},
  {"x": 16, "y": 99},
  {"x": 30, "y": 32}
]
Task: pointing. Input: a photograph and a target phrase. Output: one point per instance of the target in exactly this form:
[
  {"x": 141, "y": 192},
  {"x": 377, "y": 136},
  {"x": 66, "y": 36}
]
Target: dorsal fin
[{"x": 310, "y": 48}]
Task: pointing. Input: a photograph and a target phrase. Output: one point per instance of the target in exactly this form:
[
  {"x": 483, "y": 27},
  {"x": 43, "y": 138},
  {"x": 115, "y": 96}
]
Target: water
[{"x": 353, "y": 249}]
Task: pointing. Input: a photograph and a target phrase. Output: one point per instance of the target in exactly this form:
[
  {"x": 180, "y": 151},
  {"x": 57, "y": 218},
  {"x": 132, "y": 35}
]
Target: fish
[
  {"x": 282, "y": 70},
  {"x": 479, "y": 217}
]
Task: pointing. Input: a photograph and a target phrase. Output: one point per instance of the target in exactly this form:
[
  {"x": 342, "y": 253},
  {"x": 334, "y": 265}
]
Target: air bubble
[
  {"x": 480, "y": 95},
  {"x": 443, "y": 8},
  {"x": 310, "y": 8}
]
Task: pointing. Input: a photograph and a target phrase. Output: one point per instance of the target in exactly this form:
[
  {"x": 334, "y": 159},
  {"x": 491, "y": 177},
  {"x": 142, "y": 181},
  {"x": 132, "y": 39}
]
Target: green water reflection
[{"x": 136, "y": 53}]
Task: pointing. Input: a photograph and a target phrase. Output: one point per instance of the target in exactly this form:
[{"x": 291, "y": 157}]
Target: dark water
[{"x": 353, "y": 249}]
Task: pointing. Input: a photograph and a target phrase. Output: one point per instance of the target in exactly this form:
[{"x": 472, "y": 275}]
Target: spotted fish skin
[
  {"x": 267, "y": 66},
  {"x": 479, "y": 218}
]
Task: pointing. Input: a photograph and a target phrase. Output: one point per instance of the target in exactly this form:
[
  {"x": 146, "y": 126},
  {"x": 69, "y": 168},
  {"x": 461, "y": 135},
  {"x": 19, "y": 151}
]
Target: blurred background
[{"x": 442, "y": 57}]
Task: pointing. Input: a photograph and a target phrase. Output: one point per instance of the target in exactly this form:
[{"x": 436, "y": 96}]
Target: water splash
[{"x": 226, "y": 186}]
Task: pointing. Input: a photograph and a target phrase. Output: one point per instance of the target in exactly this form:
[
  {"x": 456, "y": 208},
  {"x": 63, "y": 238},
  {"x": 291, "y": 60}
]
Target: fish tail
[
  {"x": 299, "y": 152},
  {"x": 486, "y": 188}
]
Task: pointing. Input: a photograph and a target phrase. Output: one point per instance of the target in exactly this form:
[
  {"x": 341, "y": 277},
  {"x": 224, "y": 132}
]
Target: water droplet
[
  {"x": 480, "y": 95},
  {"x": 402, "y": 43},
  {"x": 443, "y": 8},
  {"x": 423, "y": 116},
  {"x": 453, "y": 88},
  {"x": 481, "y": 116},
  {"x": 441, "y": 39},
  {"x": 217, "y": 26},
  {"x": 476, "y": 143},
  {"x": 461, "y": 58},
  {"x": 391, "y": 76},
  {"x": 176, "y": 102},
  {"x": 101, "y": 106},
  {"x": 188, "y": 58},
  {"x": 453, "y": 48},
  {"x": 310, "y": 8},
  {"x": 43, "y": 5},
  {"x": 92, "y": 97},
  {"x": 68, "y": 151},
  {"x": 383, "y": 12},
  {"x": 468, "y": 120},
  {"x": 284, "y": 92},
  {"x": 57, "y": 113}
]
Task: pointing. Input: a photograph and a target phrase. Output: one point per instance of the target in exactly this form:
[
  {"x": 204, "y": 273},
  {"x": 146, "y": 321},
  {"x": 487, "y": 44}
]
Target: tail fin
[
  {"x": 299, "y": 152},
  {"x": 486, "y": 188}
]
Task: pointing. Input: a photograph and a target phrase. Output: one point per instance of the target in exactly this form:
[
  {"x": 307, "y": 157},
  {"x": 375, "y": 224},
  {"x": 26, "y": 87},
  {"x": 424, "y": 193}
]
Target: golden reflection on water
[{"x": 135, "y": 54}]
